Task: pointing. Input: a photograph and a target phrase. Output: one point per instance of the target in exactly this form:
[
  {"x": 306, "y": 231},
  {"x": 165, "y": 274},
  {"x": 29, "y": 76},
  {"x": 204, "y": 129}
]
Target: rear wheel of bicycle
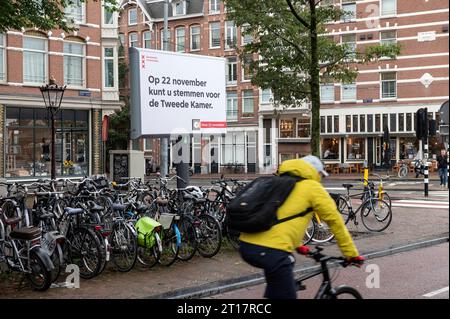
[
  {"x": 124, "y": 247},
  {"x": 40, "y": 278},
  {"x": 148, "y": 256},
  {"x": 209, "y": 236},
  {"x": 188, "y": 245},
  {"x": 376, "y": 215},
  {"x": 344, "y": 292},
  {"x": 403, "y": 172},
  {"x": 85, "y": 252},
  {"x": 233, "y": 238},
  {"x": 309, "y": 233},
  {"x": 323, "y": 233},
  {"x": 344, "y": 209},
  {"x": 56, "y": 260},
  {"x": 170, "y": 247}
]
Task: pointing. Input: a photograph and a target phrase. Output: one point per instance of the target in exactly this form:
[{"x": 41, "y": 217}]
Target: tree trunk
[{"x": 314, "y": 83}]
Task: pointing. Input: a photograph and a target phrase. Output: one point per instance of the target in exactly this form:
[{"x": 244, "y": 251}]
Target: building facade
[
  {"x": 86, "y": 62},
  {"x": 385, "y": 94},
  {"x": 200, "y": 27}
]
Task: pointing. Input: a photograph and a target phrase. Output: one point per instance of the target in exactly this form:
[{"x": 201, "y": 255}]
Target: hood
[{"x": 300, "y": 168}]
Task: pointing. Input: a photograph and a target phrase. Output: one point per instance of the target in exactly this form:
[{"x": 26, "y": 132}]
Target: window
[
  {"x": 179, "y": 39},
  {"x": 232, "y": 106},
  {"x": 231, "y": 71},
  {"x": 214, "y": 6},
  {"x": 362, "y": 123},
  {"x": 133, "y": 39},
  {"x": 388, "y": 37},
  {"x": 349, "y": 8},
  {"x": 161, "y": 33},
  {"x": 214, "y": 35},
  {"x": 195, "y": 38},
  {"x": 180, "y": 8},
  {"x": 108, "y": 16},
  {"x": 377, "y": 122},
  {"x": 247, "y": 103},
  {"x": 147, "y": 39},
  {"x": 388, "y": 7},
  {"x": 355, "y": 123},
  {"x": 349, "y": 40},
  {"x": 266, "y": 96},
  {"x": 336, "y": 124},
  {"x": 385, "y": 121},
  {"x": 246, "y": 38},
  {"x": 409, "y": 122},
  {"x": 327, "y": 3},
  {"x": 148, "y": 144},
  {"x": 132, "y": 16},
  {"x": 304, "y": 127},
  {"x": 329, "y": 124},
  {"x": 370, "y": 123},
  {"x": 74, "y": 63},
  {"x": 287, "y": 128},
  {"x": 393, "y": 123},
  {"x": 246, "y": 71},
  {"x": 322, "y": 124},
  {"x": 230, "y": 34},
  {"x": 327, "y": 93},
  {"x": 75, "y": 11},
  {"x": 34, "y": 59},
  {"x": 122, "y": 39},
  {"x": 330, "y": 148},
  {"x": 348, "y": 123},
  {"x": 401, "y": 122},
  {"x": 388, "y": 85},
  {"x": 108, "y": 59},
  {"x": 348, "y": 92},
  {"x": 2, "y": 57},
  {"x": 356, "y": 149}
]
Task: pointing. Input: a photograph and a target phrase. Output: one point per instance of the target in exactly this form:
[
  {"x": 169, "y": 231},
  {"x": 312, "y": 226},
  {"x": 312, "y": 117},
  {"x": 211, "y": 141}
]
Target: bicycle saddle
[
  {"x": 119, "y": 207},
  {"x": 26, "y": 233},
  {"x": 46, "y": 216},
  {"x": 96, "y": 208},
  {"x": 73, "y": 211},
  {"x": 348, "y": 186}
]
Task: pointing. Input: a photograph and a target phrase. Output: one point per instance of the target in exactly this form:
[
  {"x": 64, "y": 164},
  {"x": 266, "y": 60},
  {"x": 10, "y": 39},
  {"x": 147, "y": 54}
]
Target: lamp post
[{"x": 52, "y": 95}]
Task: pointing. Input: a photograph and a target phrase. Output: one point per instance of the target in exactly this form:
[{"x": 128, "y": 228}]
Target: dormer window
[{"x": 179, "y": 8}]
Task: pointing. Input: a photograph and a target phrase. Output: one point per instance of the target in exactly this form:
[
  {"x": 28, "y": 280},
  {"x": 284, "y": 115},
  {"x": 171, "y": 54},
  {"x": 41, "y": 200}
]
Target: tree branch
[
  {"x": 296, "y": 15},
  {"x": 291, "y": 43}
]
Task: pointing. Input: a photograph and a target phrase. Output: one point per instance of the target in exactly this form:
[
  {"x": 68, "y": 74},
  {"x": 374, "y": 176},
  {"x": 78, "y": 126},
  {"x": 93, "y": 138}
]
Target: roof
[{"x": 155, "y": 8}]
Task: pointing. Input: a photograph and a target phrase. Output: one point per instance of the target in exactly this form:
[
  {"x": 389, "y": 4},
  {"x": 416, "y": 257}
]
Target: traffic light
[
  {"x": 422, "y": 123},
  {"x": 432, "y": 128}
]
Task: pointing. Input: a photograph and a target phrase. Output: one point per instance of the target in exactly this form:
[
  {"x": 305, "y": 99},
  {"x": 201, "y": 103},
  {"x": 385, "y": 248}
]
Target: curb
[{"x": 226, "y": 285}]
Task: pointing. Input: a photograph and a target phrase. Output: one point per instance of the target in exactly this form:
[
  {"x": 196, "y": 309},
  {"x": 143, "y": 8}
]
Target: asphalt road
[{"x": 417, "y": 274}]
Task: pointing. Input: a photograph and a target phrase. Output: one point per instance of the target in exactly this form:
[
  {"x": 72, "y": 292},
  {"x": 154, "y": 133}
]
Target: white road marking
[
  {"x": 335, "y": 188},
  {"x": 436, "y": 292}
]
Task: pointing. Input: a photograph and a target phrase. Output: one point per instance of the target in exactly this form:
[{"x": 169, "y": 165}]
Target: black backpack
[{"x": 254, "y": 209}]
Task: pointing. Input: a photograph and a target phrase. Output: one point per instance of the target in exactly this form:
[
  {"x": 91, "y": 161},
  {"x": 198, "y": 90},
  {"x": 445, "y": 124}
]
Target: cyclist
[{"x": 272, "y": 250}]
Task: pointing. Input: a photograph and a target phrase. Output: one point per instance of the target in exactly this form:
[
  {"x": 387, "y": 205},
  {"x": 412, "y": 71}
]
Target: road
[{"x": 417, "y": 274}]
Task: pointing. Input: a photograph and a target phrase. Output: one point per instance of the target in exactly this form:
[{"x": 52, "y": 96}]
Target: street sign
[
  {"x": 176, "y": 93},
  {"x": 84, "y": 93}
]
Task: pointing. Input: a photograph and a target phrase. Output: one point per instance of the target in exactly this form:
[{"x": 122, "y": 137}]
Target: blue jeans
[
  {"x": 278, "y": 268},
  {"x": 443, "y": 176}
]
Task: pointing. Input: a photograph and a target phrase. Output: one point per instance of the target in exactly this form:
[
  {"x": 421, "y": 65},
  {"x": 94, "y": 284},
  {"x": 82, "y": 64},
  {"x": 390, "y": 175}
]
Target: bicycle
[
  {"x": 403, "y": 170},
  {"x": 372, "y": 209}
]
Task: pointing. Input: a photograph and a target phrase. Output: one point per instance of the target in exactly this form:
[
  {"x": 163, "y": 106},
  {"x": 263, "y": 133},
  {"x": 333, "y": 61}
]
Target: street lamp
[{"x": 52, "y": 95}]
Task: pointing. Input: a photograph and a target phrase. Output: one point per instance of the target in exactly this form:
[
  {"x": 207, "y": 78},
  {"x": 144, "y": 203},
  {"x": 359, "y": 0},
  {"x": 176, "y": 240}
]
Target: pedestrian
[
  {"x": 441, "y": 165},
  {"x": 271, "y": 250}
]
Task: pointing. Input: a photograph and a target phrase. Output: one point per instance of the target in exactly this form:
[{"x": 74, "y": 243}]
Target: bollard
[
  {"x": 366, "y": 174},
  {"x": 425, "y": 173}
]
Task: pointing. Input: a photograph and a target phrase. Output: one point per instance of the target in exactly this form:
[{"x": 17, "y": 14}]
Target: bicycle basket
[
  {"x": 144, "y": 227},
  {"x": 166, "y": 220}
]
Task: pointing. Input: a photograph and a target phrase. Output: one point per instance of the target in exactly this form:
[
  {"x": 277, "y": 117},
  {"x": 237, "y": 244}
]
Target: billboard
[{"x": 176, "y": 93}]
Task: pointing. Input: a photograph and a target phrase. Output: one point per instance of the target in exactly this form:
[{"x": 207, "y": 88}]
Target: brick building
[
  {"x": 386, "y": 93},
  {"x": 86, "y": 62},
  {"x": 200, "y": 27}
]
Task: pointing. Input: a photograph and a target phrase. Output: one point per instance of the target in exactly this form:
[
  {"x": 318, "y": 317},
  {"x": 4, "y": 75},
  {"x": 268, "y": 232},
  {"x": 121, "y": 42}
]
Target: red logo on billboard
[{"x": 213, "y": 124}]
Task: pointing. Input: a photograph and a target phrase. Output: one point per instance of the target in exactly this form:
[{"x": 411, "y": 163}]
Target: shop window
[
  {"x": 287, "y": 129},
  {"x": 355, "y": 148},
  {"x": 330, "y": 148},
  {"x": 348, "y": 123},
  {"x": 304, "y": 127}
]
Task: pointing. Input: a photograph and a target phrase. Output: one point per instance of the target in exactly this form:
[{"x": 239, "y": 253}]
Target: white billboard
[{"x": 176, "y": 93}]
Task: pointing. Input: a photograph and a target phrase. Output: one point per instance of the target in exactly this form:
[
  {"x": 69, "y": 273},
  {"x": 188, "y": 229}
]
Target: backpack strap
[{"x": 304, "y": 213}]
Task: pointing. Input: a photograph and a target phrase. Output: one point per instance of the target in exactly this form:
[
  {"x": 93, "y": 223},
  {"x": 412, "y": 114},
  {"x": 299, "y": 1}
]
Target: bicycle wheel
[
  {"x": 85, "y": 252},
  {"x": 344, "y": 209},
  {"x": 376, "y": 215},
  {"x": 344, "y": 292},
  {"x": 209, "y": 236},
  {"x": 170, "y": 247},
  {"x": 233, "y": 238},
  {"x": 322, "y": 233},
  {"x": 188, "y": 245},
  {"x": 148, "y": 256},
  {"x": 403, "y": 172},
  {"x": 40, "y": 278},
  {"x": 309, "y": 233},
  {"x": 124, "y": 247}
]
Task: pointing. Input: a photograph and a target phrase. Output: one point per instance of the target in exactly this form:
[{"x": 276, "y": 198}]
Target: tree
[
  {"x": 42, "y": 14},
  {"x": 295, "y": 54}
]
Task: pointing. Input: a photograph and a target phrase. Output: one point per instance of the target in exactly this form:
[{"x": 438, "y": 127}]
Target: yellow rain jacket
[{"x": 308, "y": 192}]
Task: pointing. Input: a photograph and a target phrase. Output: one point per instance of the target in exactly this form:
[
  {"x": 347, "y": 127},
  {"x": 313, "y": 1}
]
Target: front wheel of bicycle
[
  {"x": 343, "y": 292},
  {"x": 209, "y": 236},
  {"x": 376, "y": 215}
]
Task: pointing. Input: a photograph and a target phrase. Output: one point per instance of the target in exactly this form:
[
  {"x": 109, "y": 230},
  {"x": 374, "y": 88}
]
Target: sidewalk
[{"x": 409, "y": 225}]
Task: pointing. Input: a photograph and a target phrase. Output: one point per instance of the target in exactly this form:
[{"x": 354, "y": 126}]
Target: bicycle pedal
[{"x": 300, "y": 286}]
